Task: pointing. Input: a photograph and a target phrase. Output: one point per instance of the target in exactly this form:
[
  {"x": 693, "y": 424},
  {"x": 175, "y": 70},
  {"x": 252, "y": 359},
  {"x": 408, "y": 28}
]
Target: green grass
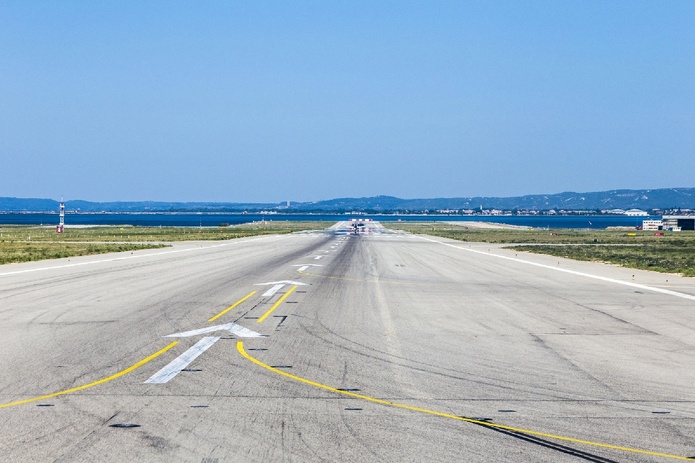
[
  {"x": 14, "y": 252},
  {"x": 24, "y": 243},
  {"x": 148, "y": 234},
  {"x": 658, "y": 256},
  {"x": 671, "y": 253}
]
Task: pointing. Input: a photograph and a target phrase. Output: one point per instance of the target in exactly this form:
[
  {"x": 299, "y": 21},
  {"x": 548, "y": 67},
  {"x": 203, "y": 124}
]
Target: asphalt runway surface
[{"x": 331, "y": 347}]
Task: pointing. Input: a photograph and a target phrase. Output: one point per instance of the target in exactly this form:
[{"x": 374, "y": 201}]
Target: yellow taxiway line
[
  {"x": 231, "y": 307},
  {"x": 275, "y": 306},
  {"x": 240, "y": 348},
  {"x": 95, "y": 383}
]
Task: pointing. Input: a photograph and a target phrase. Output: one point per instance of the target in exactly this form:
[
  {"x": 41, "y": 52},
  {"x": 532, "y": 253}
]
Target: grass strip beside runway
[
  {"x": 671, "y": 252},
  {"x": 32, "y": 243}
]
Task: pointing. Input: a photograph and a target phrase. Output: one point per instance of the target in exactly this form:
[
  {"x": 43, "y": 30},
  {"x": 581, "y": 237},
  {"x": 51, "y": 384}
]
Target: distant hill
[
  {"x": 46, "y": 205},
  {"x": 27, "y": 204},
  {"x": 665, "y": 198}
]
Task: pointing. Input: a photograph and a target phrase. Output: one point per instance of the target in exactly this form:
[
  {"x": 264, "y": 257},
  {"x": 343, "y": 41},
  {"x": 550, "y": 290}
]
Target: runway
[{"x": 329, "y": 346}]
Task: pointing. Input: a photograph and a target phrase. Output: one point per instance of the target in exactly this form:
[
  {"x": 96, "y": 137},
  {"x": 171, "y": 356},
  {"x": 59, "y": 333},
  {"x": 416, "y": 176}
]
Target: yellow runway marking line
[
  {"x": 95, "y": 383},
  {"x": 275, "y": 306},
  {"x": 231, "y": 307},
  {"x": 240, "y": 348}
]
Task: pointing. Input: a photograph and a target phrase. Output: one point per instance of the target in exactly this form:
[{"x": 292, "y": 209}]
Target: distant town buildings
[
  {"x": 636, "y": 213},
  {"x": 678, "y": 222},
  {"x": 670, "y": 223},
  {"x": 483, "y": 211},
  {"x": 653, "y": 225}
]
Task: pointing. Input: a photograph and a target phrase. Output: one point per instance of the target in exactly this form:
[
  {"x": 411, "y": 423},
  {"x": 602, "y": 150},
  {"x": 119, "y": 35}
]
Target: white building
[
  {"x": 635, "y": 213},
  {"x": 679, "y": 222},
  {"x": 652, "y": 225}
]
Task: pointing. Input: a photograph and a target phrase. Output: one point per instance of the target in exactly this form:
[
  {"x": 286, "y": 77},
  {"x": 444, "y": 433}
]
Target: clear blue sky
[{"x": 296, "y": 100}]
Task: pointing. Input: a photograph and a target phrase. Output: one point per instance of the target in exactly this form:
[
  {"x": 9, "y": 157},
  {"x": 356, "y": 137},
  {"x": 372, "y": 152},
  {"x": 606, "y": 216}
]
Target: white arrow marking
[
  {"x": 318, "y": 257},
  {"x": 271, "y": 292},
  {"x": 303, "y": 267},
  {"x": 233, "y": 328},
  {"x": 182, "y": 361},
  {"x": 284, "y": 282},
  {"x": 277, "y": 286}
]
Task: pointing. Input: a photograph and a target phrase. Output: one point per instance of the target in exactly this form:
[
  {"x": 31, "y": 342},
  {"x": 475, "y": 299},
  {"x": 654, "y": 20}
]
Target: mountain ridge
[{"x": 645, "y": 199}]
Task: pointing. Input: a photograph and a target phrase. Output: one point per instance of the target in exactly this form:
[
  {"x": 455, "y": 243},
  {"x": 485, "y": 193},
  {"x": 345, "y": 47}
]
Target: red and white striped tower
[{"x": 61, "y": 226}]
